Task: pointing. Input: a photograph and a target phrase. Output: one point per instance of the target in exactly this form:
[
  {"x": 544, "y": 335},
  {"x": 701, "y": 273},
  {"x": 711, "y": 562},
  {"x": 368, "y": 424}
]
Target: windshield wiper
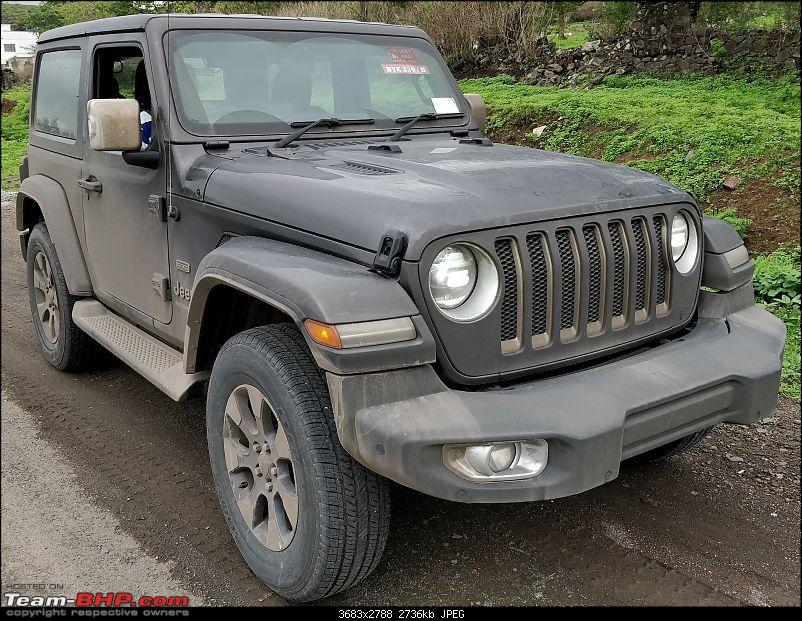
[
  {"x": 426, "y": 116},
  {"x": 305, "y": 126}
]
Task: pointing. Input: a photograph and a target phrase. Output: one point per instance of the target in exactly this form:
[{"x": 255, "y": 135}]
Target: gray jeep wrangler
[{"x": 304, "y": 217}]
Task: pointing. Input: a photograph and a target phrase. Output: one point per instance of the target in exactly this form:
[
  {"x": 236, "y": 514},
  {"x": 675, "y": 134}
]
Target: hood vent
[{"x": 362, "y": 169}]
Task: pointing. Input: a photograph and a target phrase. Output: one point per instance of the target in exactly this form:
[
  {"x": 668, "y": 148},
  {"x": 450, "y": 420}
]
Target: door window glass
[
  {"x": 120, "y": 73},
  {"x": 56, "y": 102}
]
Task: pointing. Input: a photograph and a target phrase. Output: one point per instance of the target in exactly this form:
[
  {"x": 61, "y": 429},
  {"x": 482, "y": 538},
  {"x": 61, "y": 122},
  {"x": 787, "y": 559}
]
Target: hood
[{"x": 434, "y": 187}]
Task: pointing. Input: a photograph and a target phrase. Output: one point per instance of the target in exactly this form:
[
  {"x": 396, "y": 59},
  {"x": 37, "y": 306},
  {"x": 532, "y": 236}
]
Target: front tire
[
  {"x": 63, "y": 344},
  {"x": 309, "y": 520}
]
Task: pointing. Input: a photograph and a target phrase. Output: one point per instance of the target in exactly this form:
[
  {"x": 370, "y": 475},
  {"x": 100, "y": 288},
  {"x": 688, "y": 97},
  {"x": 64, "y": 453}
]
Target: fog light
[{"x": 497, "y": 461}]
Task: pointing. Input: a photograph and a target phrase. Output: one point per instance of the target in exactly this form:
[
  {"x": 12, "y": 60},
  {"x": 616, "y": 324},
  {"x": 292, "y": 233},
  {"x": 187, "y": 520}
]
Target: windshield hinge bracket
[
  {"x": 390, "y": 148},
  {"x": 216, "y": 144},
  {"x": 483, "y": 142}
]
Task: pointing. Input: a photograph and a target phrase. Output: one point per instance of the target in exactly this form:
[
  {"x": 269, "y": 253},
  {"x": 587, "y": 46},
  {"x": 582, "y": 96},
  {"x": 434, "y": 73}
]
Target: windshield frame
[{"x": 340, "y": 131}]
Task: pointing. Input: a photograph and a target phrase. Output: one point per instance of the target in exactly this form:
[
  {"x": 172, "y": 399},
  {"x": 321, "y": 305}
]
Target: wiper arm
[
  {"x": 306, "y": 126},
  {"x": 426, "y": 116}
]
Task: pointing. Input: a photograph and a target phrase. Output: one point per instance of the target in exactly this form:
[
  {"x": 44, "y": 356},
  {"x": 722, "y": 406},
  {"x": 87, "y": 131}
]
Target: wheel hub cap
[
  {"x": 260, "y": 467},
  {"x": 46, "y": 298}
]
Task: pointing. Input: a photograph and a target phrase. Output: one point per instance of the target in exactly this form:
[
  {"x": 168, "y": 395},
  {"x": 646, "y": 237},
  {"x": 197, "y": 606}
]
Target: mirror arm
[{"x": 144, "y": 159}]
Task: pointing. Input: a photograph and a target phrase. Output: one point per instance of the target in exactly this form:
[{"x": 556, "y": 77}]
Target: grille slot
[
  {"x": 620, "y": 270},
  {"x": 640, "y": 232},
  {"x": 569, "y": 280},
  {"x": 661, "y": 291},
  {"x": 596, "y": 276},
  {"x": 541, "y": 288},
  {"x": 510, "y": 315},
  {"x": 600, "y": 256}
]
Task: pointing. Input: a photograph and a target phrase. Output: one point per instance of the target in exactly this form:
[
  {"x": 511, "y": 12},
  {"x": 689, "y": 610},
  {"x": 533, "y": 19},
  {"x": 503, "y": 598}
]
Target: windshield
[{"x": 258, "y": 82}]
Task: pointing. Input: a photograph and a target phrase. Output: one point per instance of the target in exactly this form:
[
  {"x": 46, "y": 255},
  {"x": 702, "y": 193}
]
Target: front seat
[{"x": 291, "y": 96}]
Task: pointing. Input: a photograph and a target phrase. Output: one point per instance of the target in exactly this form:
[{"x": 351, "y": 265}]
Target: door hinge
[
  {"x": 157, "y": 207},
  {"x": 161, "y": 284}
]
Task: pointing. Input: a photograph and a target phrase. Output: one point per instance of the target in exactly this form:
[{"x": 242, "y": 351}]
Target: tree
[
  {"x": 563, "y": 10},
  {"x": 44, "y": 17}
]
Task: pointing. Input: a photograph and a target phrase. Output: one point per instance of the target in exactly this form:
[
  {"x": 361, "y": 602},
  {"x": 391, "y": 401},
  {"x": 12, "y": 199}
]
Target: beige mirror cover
[
  {"x": 113, "y": 124},
  {"x": 478, "y": 108}
]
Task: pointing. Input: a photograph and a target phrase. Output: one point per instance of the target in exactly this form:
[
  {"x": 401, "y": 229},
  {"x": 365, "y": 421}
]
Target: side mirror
[
  {"x": 476, "y": 103},
  {"x": 113, "y": 124}
]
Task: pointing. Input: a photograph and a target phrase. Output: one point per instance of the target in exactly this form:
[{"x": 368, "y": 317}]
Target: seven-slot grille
[{"x": 586, "y": 279}]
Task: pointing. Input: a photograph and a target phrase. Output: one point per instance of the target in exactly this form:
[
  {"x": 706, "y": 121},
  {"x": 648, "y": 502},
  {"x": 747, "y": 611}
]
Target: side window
[
  {"x": 120, "y": 73},
  {"x": 56, "y": 101}
]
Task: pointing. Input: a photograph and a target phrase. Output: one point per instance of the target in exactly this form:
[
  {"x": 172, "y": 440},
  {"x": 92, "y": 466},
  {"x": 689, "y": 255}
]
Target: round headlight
[
  {"x": 463, "y": 282},
  {"x": 684, "y": 242},
  {"x": 452, "y": 276},
  {"x": 679, "y": 236}
]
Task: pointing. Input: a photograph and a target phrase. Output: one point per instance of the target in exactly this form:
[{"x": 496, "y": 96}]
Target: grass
[
  {"x": 789, "y": 383},
  {"x": 14, "y": 129},
  {"x": 730, "y": 216},
  {"x": 777, "y": 287},
  {"x": 576, "y": 33},
  {"x": 692, "y": 131}
]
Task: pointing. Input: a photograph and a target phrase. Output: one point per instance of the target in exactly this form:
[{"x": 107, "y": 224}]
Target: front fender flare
[
  {"x": 307, "y": 284},
  {"x": 52, "y": 201}
]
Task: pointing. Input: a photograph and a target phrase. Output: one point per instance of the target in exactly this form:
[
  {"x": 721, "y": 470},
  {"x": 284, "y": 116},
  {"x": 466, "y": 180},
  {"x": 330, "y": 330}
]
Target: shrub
[
  {"x": 731, "y": 217},
  {"x": 777, "y": 278},
  {"x": 789, "y": 379}
]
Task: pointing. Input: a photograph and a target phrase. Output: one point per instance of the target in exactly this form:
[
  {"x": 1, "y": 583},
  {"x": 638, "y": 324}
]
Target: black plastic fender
[
  {"x": 308, "y": 284},
  {"x": 726, "y": 262},
  {"x": 51, "y": 199}
]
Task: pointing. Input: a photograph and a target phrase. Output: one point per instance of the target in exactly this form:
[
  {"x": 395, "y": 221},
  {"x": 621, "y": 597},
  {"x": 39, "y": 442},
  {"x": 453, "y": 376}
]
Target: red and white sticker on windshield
[{"x": 404, "y": 60}]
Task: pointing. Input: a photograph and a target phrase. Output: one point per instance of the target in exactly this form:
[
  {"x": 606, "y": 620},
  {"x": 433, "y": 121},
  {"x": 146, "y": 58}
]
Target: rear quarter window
[{"x": 56, "y": 99}]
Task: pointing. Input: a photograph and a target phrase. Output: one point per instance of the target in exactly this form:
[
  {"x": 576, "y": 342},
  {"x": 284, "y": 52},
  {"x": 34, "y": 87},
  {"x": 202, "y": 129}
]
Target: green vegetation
[
  {"x": 740, "y": 17},
  {"x": 693, "y": 131},
  {"x": 576, "y": 33},
  {"x": 789, "y": 383},
  {"x": 777, "y": 287},
  {"x": 730, "y": 215},
  {"x": 777, "y": 277},
  {"x": 15, "y": 135}
]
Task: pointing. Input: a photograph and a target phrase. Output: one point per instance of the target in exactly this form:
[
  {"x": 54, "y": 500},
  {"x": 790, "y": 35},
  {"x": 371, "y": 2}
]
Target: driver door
[{"x": 126, "y": 242}]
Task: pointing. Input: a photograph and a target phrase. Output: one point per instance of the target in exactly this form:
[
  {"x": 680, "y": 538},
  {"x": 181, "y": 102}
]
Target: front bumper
[{"x": 727, "y": 369}]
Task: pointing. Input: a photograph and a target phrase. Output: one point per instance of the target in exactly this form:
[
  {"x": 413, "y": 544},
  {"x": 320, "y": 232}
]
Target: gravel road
[{"x": 104, "y": 459}]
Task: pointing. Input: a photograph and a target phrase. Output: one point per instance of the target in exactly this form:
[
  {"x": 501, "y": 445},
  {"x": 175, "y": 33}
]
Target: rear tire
[
  {"x": 62, "y": 342},
  {"x": 672, "y": 448},
  {"x": 332, "y": 514}
]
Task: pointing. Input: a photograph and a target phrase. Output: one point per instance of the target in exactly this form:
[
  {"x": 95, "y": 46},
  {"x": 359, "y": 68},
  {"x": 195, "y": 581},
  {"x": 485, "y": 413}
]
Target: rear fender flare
[{"x": 52, "y": 202}]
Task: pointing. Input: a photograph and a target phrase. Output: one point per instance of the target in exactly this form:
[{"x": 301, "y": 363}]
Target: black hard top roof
[{"x": 128, "y": 23}]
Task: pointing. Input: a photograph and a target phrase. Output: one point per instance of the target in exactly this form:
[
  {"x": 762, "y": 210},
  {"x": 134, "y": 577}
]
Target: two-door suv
[{"x": 304, "y": 218}]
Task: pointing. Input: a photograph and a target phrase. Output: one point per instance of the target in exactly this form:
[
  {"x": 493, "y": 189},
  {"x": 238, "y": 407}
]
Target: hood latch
[{"x": 392, "y": 247}]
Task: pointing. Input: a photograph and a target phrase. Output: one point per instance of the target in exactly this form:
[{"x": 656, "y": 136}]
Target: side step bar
[{"x": 157, "y": 362}]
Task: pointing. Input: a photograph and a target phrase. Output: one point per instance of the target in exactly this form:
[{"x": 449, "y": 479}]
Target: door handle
[{"x": 90, "y": 184}]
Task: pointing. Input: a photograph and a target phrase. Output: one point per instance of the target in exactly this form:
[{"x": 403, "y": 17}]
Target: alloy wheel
[
  {"x": 46, "y": 299},
  {"x": 260, "y": 467}
]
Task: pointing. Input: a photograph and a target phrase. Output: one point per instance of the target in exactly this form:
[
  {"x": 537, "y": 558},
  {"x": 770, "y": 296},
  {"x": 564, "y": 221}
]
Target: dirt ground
[{"x": 718, "y": 526}]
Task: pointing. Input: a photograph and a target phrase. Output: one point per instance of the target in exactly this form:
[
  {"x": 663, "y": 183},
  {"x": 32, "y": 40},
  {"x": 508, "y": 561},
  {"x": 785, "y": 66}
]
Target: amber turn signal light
[{"x": 323, "y": 334}]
